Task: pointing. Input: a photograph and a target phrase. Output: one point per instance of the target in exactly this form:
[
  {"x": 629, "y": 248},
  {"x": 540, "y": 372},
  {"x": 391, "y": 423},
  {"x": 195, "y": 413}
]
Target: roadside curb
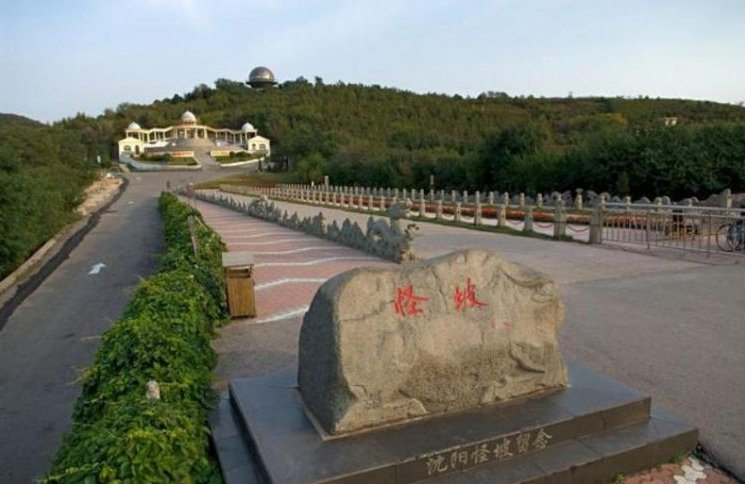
[{"x": 29, "y": 276}]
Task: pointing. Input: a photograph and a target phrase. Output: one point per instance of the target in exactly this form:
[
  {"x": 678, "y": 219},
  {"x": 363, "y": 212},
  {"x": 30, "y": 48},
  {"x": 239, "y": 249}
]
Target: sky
[{"x": 62, "y": 57}]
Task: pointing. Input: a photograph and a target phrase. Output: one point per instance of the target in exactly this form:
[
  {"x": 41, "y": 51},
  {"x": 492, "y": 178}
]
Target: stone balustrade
[{"x": 555, "y": 210}]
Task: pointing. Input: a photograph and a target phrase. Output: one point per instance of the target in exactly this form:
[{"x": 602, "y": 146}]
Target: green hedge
[{"x": 119, "y": 435}]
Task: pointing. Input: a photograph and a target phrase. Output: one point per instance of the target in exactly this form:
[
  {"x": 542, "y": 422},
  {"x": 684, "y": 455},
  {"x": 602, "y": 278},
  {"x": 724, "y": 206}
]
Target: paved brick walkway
[{"x": 289, "y": 267}]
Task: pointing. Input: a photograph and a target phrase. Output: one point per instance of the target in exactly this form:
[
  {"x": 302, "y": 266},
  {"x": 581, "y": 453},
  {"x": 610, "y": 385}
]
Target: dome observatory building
[
  {"x": 261, "y": 77},
  {"x": 189, "y": 137}
]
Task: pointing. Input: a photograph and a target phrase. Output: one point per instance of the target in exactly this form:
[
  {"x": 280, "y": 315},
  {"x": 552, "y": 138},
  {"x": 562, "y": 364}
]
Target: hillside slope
[{"x": 375, "y": 135}]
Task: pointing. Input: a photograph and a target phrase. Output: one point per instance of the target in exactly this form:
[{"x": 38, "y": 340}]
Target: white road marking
[
  {"x": 259, "y": 235},
  {"x": 233, "y": 232},
  {"x": 96, "y": 269},
  {"x": 269, "y": 242},
  {"x": 289, "y": 280},
  {"x": 290, "y": 313},
  {"x": 294, "y": 251},
  {"x": 312, "y": 262}
]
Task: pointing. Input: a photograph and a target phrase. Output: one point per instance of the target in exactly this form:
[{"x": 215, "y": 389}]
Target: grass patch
[
  {"x": 265, "y": 179},
  {"x": 170, "y": 161},
  {"x": 235, "y": 157}
]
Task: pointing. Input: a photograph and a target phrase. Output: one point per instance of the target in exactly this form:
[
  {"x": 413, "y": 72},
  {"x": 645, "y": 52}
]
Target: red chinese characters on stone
[
  {"x": 467, "y": 299},
  {"x": 406, "y": 302}
]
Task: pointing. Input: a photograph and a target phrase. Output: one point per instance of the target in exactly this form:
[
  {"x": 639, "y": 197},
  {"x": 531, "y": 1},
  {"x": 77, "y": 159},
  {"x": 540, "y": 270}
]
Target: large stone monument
[
  {"x": 451, "y": 333},
  {"x": 447, "y": 369}
]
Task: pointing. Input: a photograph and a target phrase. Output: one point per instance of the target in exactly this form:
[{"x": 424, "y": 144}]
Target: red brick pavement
[{"x": 289, "y": 266}]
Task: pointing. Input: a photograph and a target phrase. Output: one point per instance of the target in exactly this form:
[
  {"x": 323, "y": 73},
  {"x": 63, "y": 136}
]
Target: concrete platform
[{"x": 590, "y": 432}]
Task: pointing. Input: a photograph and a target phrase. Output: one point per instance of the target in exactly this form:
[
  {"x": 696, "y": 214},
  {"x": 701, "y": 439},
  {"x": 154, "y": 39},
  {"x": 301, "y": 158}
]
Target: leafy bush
[
  {"x": 138, "y": 440},
  {"x": 164, "y": 335}
]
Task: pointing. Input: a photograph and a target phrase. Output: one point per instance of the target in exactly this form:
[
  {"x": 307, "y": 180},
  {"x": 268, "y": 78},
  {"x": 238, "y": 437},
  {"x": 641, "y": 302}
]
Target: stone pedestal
[{"x": 590, "y": 432}]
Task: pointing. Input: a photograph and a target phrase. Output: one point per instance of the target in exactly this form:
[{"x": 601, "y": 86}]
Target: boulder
[{"x": 455, "y": 332}]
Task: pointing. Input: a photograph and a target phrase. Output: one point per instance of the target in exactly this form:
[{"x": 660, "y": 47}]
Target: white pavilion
[{"x": 188, "y": 135}]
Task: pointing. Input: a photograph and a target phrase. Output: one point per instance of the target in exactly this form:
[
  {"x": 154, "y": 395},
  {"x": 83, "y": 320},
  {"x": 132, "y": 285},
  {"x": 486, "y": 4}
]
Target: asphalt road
[
  {"x": 55, "y": 331},
  {"x": 676, "y": 335}
]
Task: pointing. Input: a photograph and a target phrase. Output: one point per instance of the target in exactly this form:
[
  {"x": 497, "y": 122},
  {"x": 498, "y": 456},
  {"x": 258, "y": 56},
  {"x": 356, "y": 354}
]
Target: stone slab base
[{"x": 590, "y": 432}]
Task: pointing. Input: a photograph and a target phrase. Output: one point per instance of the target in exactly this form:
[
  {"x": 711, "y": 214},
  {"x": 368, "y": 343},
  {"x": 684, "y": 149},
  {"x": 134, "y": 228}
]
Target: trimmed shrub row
[{"x": 120, "y": 435}]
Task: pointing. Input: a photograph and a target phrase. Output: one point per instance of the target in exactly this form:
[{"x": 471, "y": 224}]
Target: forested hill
[
  {"x": 43, "y": 172},
  {"x": 381, "y": 136},
  {"x": 7, "y": 119}
]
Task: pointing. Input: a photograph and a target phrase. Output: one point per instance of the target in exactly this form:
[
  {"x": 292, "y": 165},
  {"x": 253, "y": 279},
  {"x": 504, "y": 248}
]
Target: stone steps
[{"x": 589, "y": 432}]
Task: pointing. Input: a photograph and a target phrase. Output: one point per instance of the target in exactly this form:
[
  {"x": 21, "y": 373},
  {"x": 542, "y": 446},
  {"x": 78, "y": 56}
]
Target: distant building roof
[
  {"x": 261, "y": 77},
  {"x": 248, "y": 128},
  {"x": 188, "y": 118},
  {"x": 133, "y": 125}
]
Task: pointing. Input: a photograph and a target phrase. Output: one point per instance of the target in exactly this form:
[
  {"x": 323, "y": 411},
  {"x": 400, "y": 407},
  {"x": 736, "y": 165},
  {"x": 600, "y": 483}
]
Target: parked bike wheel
[
  {"x": 736, "y": 235},
  {"x": 723, "y": 238}
]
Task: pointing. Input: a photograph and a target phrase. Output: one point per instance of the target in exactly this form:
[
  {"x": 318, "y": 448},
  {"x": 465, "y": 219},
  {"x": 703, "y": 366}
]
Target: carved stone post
[
  {"x": 506, "y": 199},
  {"x": 596, "y": 225},
  {"x": 438, "y": 210},
  {"x": 477, "y": 197},
  {"x": 422, "y": 208},
  {"x": 465, "y": 196},
  {"x": 382, "y": 204},
  {"x": 442, "y": 194},
  {"x": 560, "y": 220},
  {"x": 477, "y": 212},
  {"x": 528, "y": 221},
  {"x": 453, "y": 196},
  {"x": 501, "y": 215},
  {"x": 522, "y": 200},
  {"x": 539, "y": 200},
  {"x": 457, "y": 215},
  {"x": 491, "y": 198},
  {"x": 578, "y": 202},
  {"x": 726, "y": 198},
  {"x": 370, "y": 203},
  {"x": 342, "y": 200},
  {"x": 431, "y": 195}
]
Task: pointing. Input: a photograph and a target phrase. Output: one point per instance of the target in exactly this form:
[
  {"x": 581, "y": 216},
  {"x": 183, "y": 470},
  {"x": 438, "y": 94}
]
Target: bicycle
[{"x": 731, "y": 236}]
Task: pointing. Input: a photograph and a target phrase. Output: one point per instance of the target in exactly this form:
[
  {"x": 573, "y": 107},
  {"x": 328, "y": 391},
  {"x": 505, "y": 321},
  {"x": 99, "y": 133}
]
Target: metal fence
[{"x": 711, "y": 230}]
